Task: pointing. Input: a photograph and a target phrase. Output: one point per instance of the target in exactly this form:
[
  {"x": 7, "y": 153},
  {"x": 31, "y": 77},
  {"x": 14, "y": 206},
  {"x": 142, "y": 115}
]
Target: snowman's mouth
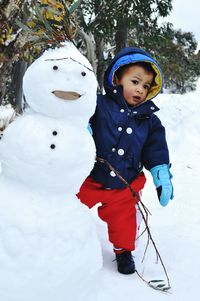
[{"x": 67, "y": 95}]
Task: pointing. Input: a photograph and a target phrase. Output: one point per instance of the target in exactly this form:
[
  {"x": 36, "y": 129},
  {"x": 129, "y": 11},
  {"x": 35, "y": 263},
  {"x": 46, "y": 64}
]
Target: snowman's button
[
  {"x": 112, "y": 173},
  {"x": 129, "y": 130},
  {"x": 55, "y": 133},
  {"x": 55, "y": 67},
  {"x": 121, "y": 152},
  {"x": 52, "y": 146}
]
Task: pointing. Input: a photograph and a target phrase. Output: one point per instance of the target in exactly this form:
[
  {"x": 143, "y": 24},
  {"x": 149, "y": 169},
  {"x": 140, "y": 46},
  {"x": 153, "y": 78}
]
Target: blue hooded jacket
[{"x": 127, "y": 137}]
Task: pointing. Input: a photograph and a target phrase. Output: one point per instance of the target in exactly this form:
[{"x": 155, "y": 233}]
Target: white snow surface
[
  {"x": 174, "y": 228},
  {"x": 6, "y": 111}
]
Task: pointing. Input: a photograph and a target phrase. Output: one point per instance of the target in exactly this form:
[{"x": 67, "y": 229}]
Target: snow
[
  {"x": 7, "y": 114},
  {"x": 54, "y": 156},
  {"x": 6, "y": 111},
  {"x": 174, "y": 228},
  {"x": 56, "y": 71},
  {"x": 46, "y": 234}
]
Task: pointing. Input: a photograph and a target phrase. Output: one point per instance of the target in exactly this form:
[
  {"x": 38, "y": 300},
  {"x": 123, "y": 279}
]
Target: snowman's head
[{"x": 61, "y": 84}]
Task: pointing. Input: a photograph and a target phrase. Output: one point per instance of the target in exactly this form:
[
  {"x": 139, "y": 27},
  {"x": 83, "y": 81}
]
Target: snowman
[{"x": 48, "y": 244}]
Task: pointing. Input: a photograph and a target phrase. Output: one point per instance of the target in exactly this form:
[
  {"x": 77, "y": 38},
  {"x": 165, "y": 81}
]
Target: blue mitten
[
  {"x": 89, "y": 129},
  {"x": 162, "y": 180}
]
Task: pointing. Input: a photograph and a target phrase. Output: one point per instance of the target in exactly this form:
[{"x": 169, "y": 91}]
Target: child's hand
[{"x": 162, "y": 180}]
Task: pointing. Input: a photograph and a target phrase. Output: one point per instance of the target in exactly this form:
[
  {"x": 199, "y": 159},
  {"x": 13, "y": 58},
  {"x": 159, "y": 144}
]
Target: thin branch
[
  {"x": 140, "y": 203},
  {"x": 160, "y": 287},
  {"x": 141, "y": 233}
]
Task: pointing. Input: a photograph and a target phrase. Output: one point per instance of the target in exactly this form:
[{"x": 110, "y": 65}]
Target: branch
[
  {"x": 90, "y": 47},
  {"x": 152, "y": 283}
]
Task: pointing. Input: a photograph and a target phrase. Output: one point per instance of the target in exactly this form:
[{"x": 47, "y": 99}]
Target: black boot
[{"x": 125, "y": 263}]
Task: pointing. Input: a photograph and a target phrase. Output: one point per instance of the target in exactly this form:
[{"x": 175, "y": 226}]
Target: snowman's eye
[
  {"x": 55, "y": 67},
  {"x": 83, "y": 73}
]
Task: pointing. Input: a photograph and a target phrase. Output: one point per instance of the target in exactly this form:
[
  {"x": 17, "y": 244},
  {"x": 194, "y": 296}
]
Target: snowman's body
[{"x": 48, "y": 243}]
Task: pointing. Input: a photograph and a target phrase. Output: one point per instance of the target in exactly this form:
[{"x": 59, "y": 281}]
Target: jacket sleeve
[{"x": 155, "y": 150}]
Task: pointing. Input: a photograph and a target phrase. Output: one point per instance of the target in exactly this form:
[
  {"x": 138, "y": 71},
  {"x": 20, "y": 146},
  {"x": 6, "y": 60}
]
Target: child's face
[{"x": 136, "y": 82}]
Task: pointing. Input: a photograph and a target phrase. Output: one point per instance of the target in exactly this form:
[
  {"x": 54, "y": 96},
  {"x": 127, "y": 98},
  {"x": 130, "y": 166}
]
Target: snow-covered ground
[
  {"x": 6, "y": 113},
  {"x": 176, "y": 227}
]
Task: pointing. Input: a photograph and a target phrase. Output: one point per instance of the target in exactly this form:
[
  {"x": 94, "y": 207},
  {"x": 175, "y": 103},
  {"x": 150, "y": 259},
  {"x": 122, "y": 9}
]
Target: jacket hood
[{"x": 131, "y": 55}]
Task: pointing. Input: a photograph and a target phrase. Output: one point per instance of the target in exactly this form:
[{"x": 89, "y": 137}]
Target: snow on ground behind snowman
[
  {"x": 5, "y": 112},
  {"x": 175, "y": 228}
]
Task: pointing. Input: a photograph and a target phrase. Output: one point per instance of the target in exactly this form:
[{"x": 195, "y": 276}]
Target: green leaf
[
  {"x": 53, "y": 11},
  {"x": 38, "y": 12},
  {"x": 32, "y": 38},
  {"x": 166, "y": 288},
  {"x": 160, "y": 285},
  {"x": 22, "y": 25},
  {"x": 54, "y": 22},
  {"x": 154, "y": 281},
  {"x": 26, "y": 10},
  {"x": 47, "y": 26},
  {"x": 74, "y": 6}
]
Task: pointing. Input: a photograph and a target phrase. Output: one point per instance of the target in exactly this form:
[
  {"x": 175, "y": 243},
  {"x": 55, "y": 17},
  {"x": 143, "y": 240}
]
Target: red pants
[{"x": 118, "y": 209}]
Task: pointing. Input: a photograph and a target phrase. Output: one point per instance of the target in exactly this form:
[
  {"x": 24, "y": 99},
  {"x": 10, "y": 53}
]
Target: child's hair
[{"x": 146, "y": 65}]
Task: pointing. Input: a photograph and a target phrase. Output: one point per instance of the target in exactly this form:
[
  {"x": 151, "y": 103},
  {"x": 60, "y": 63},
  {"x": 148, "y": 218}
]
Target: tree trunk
[
  {"x": 5, "y": 71},
  {"x": 95, "y": 48},
  {"x": 101, "y": 65},
  {"x": 121, "y": 36},
  {"x": 90, "y": 48},
  {"x": 17, "y": 79}
]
